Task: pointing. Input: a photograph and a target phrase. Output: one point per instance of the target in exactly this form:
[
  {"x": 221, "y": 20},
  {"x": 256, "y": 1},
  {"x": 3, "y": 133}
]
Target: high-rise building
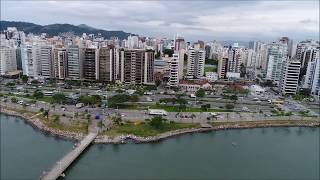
[
  {"x": 30, "y": 57},
  {"x": 8, "y": 61},
  {"x": 308, "y": 55},
  {"x": 46, "y": 62},
  {"x": 276, "y": 56},
  {"x": 179, "y": 43},
  {"x": 74, "y": 62},
  {"x": 195, "y": 64},
  {"x": 303, "y": 46},
  {"x": 136, "y": 66},
  {"x": 250, "y": 58},
  {"x": 235, "y": 58},
  {"x": 174, "y": 64},
  {"x": 18, "y": 58},
  {"x": 132, "y": 42},
  {"x": 107, "y": 64},
  {"x": 89, "y": 63},
  {"x": 222, "y": 67},
  {"x": 312, "y": 78},
  {"x": 289, "y": 78},
  {"x": 60, "y": 62}
]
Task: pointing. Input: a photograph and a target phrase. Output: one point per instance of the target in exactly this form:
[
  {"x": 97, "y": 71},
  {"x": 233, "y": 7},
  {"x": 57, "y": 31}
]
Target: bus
[{"x": 157, "y": 112}]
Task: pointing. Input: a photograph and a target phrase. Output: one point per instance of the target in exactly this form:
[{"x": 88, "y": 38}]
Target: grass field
[
  {"x": 210, "y": 69},
  {"x": 76, "y": 126},
  {"x": 144, "y": 130}
]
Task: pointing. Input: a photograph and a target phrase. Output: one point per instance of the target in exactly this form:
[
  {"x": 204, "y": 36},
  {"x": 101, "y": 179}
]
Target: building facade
[
  {"x": 195, "y": 64},
  {"x": 289, "y": 79}
]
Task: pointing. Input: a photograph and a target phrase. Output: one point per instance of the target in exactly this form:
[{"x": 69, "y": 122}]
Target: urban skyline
[{"x": 239, "y": 21}]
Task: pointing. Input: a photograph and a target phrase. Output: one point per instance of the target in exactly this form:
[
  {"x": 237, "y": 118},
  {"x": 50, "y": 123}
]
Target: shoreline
[
  {"x": 36, "y": 123},
  {"x": 123, "y": 139}
]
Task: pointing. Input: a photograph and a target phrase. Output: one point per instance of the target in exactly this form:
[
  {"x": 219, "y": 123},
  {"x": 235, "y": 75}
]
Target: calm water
[{"x": 270, "y": 153}]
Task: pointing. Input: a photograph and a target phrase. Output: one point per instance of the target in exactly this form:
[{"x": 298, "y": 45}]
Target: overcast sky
[{"x": 206, "y": 20}]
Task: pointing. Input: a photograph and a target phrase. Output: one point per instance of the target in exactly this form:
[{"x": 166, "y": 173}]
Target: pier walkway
[{"x": 63, "y": 163}]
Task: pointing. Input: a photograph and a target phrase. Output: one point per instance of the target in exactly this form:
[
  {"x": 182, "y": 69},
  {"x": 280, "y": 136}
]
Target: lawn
[
  {"x": 47, "y": 99},
  {"x": 75, "y": 126},
  {"x": 144, "y": 130},
  {"x": 210, "y": 69}
]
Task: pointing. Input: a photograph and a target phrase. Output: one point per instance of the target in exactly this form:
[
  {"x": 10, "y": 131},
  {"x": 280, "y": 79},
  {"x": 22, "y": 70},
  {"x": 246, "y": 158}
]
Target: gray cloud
[{"x": 207, "y": 20}]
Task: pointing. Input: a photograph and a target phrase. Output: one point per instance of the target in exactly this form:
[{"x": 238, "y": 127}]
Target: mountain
[{"x": 56, "y": 29}]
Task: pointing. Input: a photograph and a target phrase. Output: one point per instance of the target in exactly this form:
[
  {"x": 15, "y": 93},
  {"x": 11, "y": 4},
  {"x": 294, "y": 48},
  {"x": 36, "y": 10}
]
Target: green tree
[
  {"x": 46, "y": 114},
  {"x": 157, "y": 122},
  {"x": 35, "y": 82},
  {"x": 10, "y": 84},
  {"x": 14, "y": 100},
  {"x": 59, "y": 98},
  {"x": 117, "y": 99},
  {"x": 229, "y": 106},
  {"x": 37, "y": 94},
  {"x": 200, "y": 93},
  {"x": 182, "y": 107},
  {"x": 234, "y": 97},
  {"x": 24, "y": 78},
  {"x": 205, "y": 107},
  {"x": 91, "y": 100},
  {"x": 134, "y": 98},
  {"x": 158, "y": 82}
]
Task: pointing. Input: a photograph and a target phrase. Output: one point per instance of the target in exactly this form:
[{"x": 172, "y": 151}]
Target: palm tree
[{"x": 46, "y": 114}]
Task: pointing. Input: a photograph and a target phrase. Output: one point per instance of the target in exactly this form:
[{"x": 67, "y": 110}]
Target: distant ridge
[{"x": 56, "y": 29}]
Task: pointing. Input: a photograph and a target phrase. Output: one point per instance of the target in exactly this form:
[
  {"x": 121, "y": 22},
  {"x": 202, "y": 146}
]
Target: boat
[{"x": 234, "y": 144}]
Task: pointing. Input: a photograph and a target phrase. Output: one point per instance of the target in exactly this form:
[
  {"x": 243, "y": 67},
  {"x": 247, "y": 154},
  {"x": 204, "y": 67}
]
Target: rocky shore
[
  {"x": 137, "y": 139},
  {"x": 35, "y": 122}
]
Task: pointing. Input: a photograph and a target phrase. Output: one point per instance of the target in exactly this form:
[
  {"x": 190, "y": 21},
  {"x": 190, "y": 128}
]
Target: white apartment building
[
  {"x": 276, "y": 56},
  {"x": 289, "y": 79},
  {"x": 261, "y": 56},
  {"x": 60, "y": 63},
  {"x": 235, "y": 58},
  {"x": 174, "y": 73},
  {"x": 250, "y": 58},
  {"x": 8, "y": 61},
  {"x": 312, "y": 78},
  {"x": 30, "y": 57},
  {"x": 132, "y": 42},
  {"x": 195, "y": 64}
]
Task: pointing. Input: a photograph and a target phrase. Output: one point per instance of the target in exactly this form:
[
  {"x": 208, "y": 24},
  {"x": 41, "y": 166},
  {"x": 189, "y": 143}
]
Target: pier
[{"x": 58, "y": 168}]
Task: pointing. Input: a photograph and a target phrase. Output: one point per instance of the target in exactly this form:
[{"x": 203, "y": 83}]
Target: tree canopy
[
  {"x": 157, "y": 122},
  {"x": 200, "y": 93},
  {"x": 38, "y": 94},
  {"x": 94, "y": 99},
  {"x": 59, "y": 98}
]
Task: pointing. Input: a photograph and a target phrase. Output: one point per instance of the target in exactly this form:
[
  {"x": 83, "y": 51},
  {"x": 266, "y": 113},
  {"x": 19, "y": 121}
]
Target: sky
[{"x": 204, "y": 20}]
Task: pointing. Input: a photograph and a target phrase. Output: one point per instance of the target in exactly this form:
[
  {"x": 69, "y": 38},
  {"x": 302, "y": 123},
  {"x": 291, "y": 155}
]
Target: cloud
[{"x": 206, "y": 20}]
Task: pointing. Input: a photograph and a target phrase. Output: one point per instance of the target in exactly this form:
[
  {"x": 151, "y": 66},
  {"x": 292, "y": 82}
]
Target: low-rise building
[
  {"x": 194, "y": 85},
  {"x": 211, "y": 76}
]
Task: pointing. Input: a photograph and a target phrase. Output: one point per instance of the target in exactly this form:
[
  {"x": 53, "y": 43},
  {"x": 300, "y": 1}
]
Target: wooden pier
[{"x": 58, "y": 168}]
